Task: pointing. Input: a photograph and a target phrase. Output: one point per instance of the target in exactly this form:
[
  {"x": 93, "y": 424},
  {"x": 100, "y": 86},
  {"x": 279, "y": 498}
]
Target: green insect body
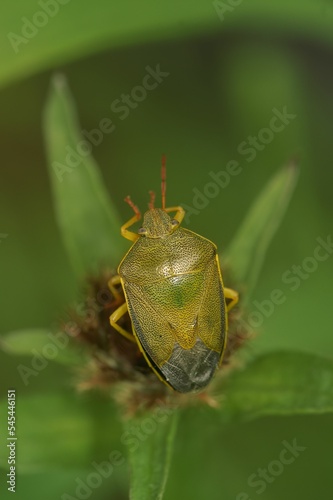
[{"x": 175, "y": 297}]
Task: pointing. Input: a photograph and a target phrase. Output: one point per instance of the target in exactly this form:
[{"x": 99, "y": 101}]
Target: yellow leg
[
  {"x": 129, "y": 235},
  {"x": 233, "y": 296},
  {"x": 180, "y": 213},
  {"x": 115, "y": 280},
  {"x": 115, "y": 316}
]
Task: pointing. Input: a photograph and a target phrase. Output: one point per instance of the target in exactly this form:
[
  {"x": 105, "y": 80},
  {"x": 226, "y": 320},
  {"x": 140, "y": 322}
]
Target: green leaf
[
  {"x": 280, "y": 383},
  {"x": 246, "y": 253},
  {"x": 77, "y": 29},
  {"x": 59, "y": 431},
  {"x": 88, "y": 221},
  {"x": 150, "y": 456},
  {"x": 29, "y": 342}
]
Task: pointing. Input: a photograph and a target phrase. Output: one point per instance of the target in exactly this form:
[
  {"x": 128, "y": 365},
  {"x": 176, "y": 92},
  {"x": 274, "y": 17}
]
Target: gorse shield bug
[{"x": 174, "y": 295}]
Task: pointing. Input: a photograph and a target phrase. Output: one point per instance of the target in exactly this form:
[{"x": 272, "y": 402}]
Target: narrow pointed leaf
[
  {"x": 280, "y": 383},
  {"x": 87, "y": 219},
  {"x": 150, "y": 458},
  {"x": 246, "y": 253},
  {"x": 52, "y": 346}
]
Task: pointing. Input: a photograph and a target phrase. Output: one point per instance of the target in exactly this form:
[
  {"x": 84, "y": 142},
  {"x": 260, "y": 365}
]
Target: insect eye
[
  {"x": 174, "y": 223},
  {"x": 142, "y": 231}
]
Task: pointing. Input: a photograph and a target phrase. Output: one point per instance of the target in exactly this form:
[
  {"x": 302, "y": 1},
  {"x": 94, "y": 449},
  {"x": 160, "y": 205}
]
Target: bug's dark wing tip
[{"x": 189, "y": 370}]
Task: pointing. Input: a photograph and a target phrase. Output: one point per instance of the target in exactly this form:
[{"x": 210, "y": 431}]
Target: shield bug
[{"x": 174, "y": 295}]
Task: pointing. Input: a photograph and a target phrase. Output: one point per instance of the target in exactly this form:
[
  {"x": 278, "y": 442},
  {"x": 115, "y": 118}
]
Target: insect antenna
[
  {"x": 133, "y": 206},
  {"x": 151, "y": 203},
  {"x": 163, "y": 180}
]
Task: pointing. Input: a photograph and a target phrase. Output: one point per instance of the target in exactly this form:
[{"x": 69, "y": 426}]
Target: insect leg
[
  {"x": 232, "y": 295},
  {"x": 115, "y": 317},
  {"x": 129, "y": 235},
  {"x": 180, "y": 213},
  {"x": 115, "y": 280}
]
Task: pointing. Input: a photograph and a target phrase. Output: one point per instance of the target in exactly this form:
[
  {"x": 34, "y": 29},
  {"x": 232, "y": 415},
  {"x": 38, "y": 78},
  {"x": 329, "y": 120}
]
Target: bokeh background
[{"x": 229, "y": 66}]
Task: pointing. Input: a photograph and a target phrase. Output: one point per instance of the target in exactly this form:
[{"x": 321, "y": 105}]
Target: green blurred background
[{"x": 225, "y": 77}]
